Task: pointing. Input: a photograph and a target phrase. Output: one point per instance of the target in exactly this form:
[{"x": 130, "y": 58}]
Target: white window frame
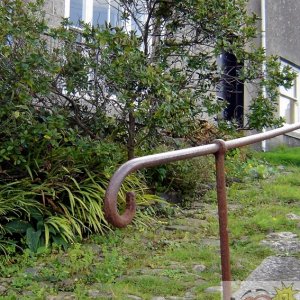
[
  {"x": 294, "y": 100},
  {"x": 87, "y": 12}
]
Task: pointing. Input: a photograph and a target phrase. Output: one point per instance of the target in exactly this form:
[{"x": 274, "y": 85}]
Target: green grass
[
  {"x": 283, "y": 155},
  {"x": 151, "y": 261},
  {"x": 156, "y": 285}
]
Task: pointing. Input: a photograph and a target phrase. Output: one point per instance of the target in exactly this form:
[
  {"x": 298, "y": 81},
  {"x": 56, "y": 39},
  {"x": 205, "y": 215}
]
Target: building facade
[
  {"x": 95, "y": 12},
  {"x": 280, "y": 31},
  {"x": 279, "y": 27}
]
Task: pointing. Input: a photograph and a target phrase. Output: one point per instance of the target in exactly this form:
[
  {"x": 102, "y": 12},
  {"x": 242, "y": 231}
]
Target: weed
[
  {"x": 111, "y": 267},
  {"x": 154, "y": 285},
  {"x": 80, "y": 258}
]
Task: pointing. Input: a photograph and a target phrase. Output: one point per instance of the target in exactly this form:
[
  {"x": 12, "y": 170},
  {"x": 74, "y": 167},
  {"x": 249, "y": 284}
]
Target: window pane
[
  {"x": 100, "y": 12},
  {"x": 286, "y": 109},
  {"x": 140, "y": 13},
  {"x": 115, "y": 14},
  {"x": 291, "y": 92},
  {"x": 76, "y": 11},
  {"x": 134, "y": 25},
  {"x": 141, "y": 17}
]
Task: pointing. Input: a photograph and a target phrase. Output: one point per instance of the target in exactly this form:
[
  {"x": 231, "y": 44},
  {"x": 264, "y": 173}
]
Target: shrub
[
  {"x": 243, "y": 163},
  {"x": 52, "y": 189},
  {"x": 184, "y": 181},
  {"x": 66, "y": 205}
]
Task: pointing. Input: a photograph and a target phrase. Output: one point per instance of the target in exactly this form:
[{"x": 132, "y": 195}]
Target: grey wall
[
  {"x": 254, "y": 6},
  {"x": 283, "y": 29},
  {"x": 282, "y": 39},
  {"x": 55, "y": 10},
  {"x": 250, "y": 91}
]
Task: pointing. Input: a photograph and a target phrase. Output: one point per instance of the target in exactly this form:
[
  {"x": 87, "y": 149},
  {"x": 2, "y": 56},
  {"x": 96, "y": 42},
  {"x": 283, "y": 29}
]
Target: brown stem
[
  {"x": 76, "y": 115},
  {"x": 131, "y": 136},
  {"x": 54, "y": 206}
]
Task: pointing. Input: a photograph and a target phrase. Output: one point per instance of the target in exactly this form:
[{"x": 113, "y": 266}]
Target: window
[
  {"x": 100, "y": 13},
  {"x": 95, "y": 12},
  {"x": 76, "y": 11},
  {"x": 230, "y": 88},
  {"x": 290, "y": 98}
]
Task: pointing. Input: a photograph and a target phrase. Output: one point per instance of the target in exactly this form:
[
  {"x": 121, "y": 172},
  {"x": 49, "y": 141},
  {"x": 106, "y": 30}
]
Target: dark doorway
[{"x": 231, "y": 89}]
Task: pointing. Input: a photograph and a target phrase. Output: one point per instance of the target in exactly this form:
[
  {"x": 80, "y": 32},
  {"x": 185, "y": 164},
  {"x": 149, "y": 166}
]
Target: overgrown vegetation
[
  {"x": 75, "y": 104},
  {"x": 153, "y": 261}
]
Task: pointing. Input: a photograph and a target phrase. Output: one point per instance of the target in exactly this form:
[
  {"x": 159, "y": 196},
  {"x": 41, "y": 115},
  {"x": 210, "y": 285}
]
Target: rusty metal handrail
[
  {"x": 218, "y": 148},
  {"x": 110, "y": 203}
]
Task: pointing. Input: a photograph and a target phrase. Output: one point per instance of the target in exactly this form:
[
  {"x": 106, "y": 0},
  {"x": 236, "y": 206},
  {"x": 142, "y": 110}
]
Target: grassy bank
[
  {"x": 175, "y": 255},
  {"x": 283, "y": 155}
]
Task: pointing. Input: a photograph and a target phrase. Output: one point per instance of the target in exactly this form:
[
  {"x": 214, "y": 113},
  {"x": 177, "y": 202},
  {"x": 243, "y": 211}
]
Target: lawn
[{"x": 283, "y": 155}]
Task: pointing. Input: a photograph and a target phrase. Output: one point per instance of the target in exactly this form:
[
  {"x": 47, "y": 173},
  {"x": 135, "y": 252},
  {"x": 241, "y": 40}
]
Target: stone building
[
  {"x": 90, "y": 11},
  {"x": 279, "y": 27}
]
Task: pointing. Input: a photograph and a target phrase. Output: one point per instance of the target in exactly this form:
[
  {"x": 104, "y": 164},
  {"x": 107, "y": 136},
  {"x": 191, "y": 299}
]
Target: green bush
[
  {"x": 72, "y": 113},
  {"x": 243, "y": 163},
  {"x": 186, "y": 180},
  {"x": 62, "y": 199},
  {"x": 53, "y": 170},
  {"x": 53, "y": 180}
]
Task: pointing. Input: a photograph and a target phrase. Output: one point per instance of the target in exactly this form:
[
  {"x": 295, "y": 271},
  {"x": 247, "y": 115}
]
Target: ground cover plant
[{"x": 178, "y": 255}]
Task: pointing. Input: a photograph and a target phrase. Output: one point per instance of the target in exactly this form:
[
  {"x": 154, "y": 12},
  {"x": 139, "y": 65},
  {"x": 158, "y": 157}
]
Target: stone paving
[
  {"x": 282, "y": 267},
  {"x": 95, "y": 291},
  {"x": 282, "y": 243},
  {"x": 277, "y": 276},
  {"x": 267, "y": 276}
]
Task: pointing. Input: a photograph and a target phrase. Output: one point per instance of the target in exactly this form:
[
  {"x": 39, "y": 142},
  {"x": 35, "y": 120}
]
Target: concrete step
[{"x": 278, "y": 277}]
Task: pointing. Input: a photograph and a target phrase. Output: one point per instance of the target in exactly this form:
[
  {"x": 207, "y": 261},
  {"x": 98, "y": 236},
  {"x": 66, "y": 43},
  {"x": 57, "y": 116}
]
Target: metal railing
[{"x": 218, "y": 148}]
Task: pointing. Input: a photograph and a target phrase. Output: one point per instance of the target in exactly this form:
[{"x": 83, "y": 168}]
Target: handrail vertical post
[{"x": 223, "y": 219}]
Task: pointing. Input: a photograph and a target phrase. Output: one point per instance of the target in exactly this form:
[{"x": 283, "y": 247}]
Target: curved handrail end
[{"x": 111, "y": 212}]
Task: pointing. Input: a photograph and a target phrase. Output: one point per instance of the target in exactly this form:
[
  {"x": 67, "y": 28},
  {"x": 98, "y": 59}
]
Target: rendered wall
[
  {"x": 282, "y": 39},
  {"x": 250, "y": 91},
  {"x": 283, "y": 29}
]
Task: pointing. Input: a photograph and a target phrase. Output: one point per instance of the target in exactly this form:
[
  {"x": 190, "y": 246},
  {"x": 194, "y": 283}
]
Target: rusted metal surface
[
  {"x": 110, "y": 203},
  {"x": 218, "y": 148},
  {"x": 223, "y": 218}
]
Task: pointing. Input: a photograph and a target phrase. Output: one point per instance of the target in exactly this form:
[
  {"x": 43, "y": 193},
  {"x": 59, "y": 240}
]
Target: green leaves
[
  {"x": 33, "y": 239},
  {"x": 17, "y": 226}
]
